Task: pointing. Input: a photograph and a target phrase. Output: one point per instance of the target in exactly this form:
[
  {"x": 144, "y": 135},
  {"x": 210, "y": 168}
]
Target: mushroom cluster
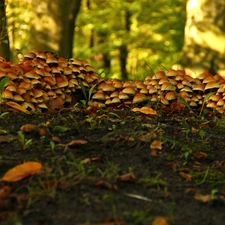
[{"x": 43, "y": 81}]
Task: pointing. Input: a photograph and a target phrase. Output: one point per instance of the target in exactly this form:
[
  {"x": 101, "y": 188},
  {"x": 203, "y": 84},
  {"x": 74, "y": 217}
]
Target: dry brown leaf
[
  {"x": 160, "y": 221},
  {"x": 105, "y": 184},
  {"x": 5, "y": 192},
  {"x": 89, "y": 160},
  {"x": 202, "y": 198},
  {"x": 56, "y": 139},
  {"x": 128, "y": 177},
  {"x": 7, "y": 138},
  {"x": 186, "y": 176},
  {"x": 200, "y": 155},
  {"x": 21, "y": 171},
  {"x": 145, "y": 110},
  {"x": 28, "y": 128},
  {"x": 16, "y": 106},
  {"x": 76, "y": 143},
  {"x": 154, "y": 152},
  {"x": 156, "y": 145}
]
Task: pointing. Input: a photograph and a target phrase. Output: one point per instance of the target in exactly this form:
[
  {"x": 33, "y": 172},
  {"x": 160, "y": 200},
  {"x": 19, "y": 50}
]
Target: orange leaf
[
  {"x": 145, "y": 110},
  {"x": 76, "y": 143},
  {"x": 21, "y": 171},
  {"x": 186, "y": 176},
  {"x": 156, "y": 145},
  {"x": 28, "y": 128},
  {"x": 128, "y": 177},
  {"x": 18, "y": 107},
  {"x": 200, "y": 155},
  {"x": 160, "y": 221}
]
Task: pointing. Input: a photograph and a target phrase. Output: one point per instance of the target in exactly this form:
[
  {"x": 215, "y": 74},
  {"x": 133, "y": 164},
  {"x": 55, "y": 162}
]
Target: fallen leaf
[
  {"x": 128, "y": 177},
  {"x": 154, "y": 152},
  {"x": 54, "y": 184},
  {"x": 7, "y": 138},
  {"x": 42, "y": 132},
  {"x": 89, "y": 160},
  {"x": 202, "y": 198},
  {"x": 18, "y": 107},
  {"x": 21, "y": 171},
  {"x": 60, "y": 129},
  {"x": 200, "y": 155},
  {"x": 5, "y": 191},
  {"x": 105, "y": 184},
  {"x": 76, "y": 143},
  {"x": 145, "y": 110},
  {"x": 27, "y": 128},
  {"x": 186, "y": 176},
  {"x": 56, "y": 139},
  {"x": 156, "y": 145},
  {"x": 160, "y": 221}
]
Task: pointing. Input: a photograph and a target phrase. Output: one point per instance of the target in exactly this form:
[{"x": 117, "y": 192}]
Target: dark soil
[{"x": 115, "y": 178}]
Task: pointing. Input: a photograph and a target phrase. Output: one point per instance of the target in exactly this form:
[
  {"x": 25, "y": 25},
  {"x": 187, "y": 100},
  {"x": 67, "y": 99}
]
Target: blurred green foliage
[{"x": 154, "y": 40}]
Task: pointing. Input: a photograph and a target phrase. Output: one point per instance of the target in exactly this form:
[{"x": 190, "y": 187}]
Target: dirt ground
[{"x": 114, "y": 167}]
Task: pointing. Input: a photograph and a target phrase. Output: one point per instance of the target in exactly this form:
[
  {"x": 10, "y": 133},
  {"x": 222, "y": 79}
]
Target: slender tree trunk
[
  {"x": 4, "y": 39},
  {"x": 204, "y": 45},
  {"x": 53, "y": 24},
  {"x": 123, "y": 48}
]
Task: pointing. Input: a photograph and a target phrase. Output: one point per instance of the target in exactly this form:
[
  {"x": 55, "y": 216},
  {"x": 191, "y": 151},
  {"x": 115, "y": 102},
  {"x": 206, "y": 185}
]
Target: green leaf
[
  {"x": 90, "y": 91},
  {"x": 3, "y": 83},
  {"x": 60, "y": 129}
]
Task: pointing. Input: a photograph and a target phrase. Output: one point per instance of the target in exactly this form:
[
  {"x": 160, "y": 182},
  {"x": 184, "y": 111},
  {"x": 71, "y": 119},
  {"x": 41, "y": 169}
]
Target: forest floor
[{"x": 114, "y": 167}]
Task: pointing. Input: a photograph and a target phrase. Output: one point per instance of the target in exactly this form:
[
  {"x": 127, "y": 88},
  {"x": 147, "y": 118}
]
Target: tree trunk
[
  {"x": 204, "y": 44},
  {"x": 53, "y": 24},
  {"x": 4, "y": 39},
  {"x": 123, "y": 48}
]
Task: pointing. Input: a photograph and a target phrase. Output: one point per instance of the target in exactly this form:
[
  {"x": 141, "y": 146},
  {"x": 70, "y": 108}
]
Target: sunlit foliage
[{"x": 151, "y": 31}]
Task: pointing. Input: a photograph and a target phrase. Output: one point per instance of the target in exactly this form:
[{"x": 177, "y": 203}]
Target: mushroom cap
[
  {"x": 108, "y": 87},
  {"x": 199, "y": 87},
  {"x": 170, "y": 96},
  {"x": 129, "y": 90},
  {"x": 158, "y": 75},
  {"x": 18, "y": 98},
  {"x": 171, "y": 73},
  {"x": 123, "y": 96},
  {"x": 116, "y": 100},
  {"x": 167, "y": 87},
  {"x": 7, "y": 94},
  {"x": 139, "y": 97},
  {"x": 211, "y": 85},
  {"x": 32, "y": 74},
  {"x": 163, "y": 80},
  {"x": 99, "y": 95},
  {"x": 61, "y": 81}
]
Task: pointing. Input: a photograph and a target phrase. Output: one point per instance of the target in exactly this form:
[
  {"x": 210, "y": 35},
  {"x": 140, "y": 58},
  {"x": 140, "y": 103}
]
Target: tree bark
[
  {"x": 204, "y": 44},
  {"x": 53, "y": 25},
  {"x": 4, "y": 39},
  {"x": 123, "y": 48}
]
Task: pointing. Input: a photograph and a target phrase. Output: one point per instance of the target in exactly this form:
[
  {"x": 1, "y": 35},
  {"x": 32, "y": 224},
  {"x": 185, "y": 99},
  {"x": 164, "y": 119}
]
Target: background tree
[
  {"x": 122, "y": 39},
  {"x": 53, "y": 25},
  {"x": 204, "y": 46},
  {"x": 4, "y": 39}
]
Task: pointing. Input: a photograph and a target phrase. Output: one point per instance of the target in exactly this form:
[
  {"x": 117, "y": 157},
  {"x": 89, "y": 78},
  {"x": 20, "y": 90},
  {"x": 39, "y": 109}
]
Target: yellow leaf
[
  {"x": 160, "y": 221},
  {"x": 21, "y": 171},
  {"x": 156, "y": 145},
  {"x": 18, "y": 107}
]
